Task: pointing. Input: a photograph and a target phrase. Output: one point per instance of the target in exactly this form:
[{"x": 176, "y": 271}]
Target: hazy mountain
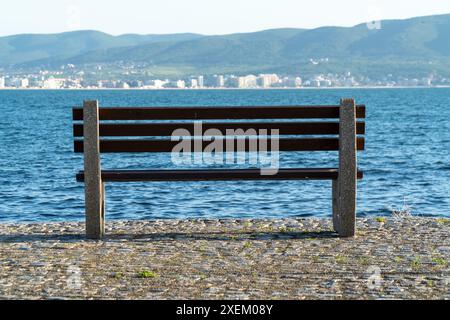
[
  {"x": 31, "y": 47},
  {"x": 415, "y": 46}
]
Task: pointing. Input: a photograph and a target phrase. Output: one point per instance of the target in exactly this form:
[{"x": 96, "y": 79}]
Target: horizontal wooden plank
[
  {"x": 167, "y": 129},
  {"x": 216, "y": 175},
  {"x": 138, "y": 146},
  {"x": 205, "y": 113}
]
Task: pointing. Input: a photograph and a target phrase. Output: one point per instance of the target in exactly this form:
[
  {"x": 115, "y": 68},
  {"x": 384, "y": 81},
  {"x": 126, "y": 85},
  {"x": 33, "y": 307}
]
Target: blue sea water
[{"x": 406, "y": 161}]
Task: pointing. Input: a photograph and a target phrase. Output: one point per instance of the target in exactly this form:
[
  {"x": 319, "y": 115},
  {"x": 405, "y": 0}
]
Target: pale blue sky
[{"x": 201, "y": 16}]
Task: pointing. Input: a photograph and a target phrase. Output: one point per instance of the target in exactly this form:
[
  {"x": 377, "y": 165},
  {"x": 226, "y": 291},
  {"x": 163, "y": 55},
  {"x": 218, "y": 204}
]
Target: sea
[{"x": 406, "y": 162}]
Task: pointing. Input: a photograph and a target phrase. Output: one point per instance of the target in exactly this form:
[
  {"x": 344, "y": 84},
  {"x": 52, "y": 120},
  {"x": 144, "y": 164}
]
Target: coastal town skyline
[{"x": 54, "y": 81}]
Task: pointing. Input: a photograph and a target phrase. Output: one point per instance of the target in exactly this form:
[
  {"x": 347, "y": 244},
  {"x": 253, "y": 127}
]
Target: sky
[{"x": 201, "y": 16}]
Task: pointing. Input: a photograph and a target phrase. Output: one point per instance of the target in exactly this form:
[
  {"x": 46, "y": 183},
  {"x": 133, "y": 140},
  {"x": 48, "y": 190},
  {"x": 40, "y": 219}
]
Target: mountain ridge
[{"x": 417, "y": 45}]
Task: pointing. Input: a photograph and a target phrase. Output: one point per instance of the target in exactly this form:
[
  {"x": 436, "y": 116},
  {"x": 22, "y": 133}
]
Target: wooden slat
[
  {"x": 216, "y": 175},
  {"x": 166, "y": 129},
  {"x": 204, "y": 113},
  {"x": 138, "y": 146}
]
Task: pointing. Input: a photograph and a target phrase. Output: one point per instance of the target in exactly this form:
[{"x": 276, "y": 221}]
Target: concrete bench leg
[
  {"x": 346, "y": 208},
  {"x": 94, "y": 187}
]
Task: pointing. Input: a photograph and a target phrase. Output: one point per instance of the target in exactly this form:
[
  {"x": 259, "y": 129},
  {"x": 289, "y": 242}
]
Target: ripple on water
[{"x": 403, "y": 163}]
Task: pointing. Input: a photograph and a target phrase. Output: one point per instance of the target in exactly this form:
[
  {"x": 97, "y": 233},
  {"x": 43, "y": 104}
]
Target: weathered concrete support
[
  {"x": 95, "y": 223},
  {"x": 335, "y": 196},
  {"x": 346, "y": 210}
]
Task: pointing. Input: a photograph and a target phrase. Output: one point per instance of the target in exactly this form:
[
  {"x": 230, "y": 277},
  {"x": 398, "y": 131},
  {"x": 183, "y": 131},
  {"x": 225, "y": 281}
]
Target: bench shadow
[{"x": 170, "y": 236}]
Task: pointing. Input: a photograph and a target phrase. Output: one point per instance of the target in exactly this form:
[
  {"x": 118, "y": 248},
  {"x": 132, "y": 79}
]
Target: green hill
[
  {"x": 416, "y": 46},
  {"x": 25, "y": 48}
]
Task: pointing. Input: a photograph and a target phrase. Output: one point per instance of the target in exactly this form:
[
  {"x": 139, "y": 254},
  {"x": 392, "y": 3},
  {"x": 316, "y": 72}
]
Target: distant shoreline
[{"x": 223, "y": 89}]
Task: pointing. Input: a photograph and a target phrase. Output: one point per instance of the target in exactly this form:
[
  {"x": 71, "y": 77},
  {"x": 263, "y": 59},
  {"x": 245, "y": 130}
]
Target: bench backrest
[{"x": 113, "y": 123}]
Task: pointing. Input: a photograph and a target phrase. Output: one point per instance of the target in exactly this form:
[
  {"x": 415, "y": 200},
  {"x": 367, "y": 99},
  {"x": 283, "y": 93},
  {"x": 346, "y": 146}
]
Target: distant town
[{"x": 70, "y": 77}]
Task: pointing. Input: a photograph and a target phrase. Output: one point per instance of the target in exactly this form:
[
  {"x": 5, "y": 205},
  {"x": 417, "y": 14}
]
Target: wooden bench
[{"x": 338, "y": 127}]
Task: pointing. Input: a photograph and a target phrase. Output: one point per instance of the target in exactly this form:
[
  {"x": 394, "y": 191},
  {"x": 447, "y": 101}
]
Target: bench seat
[{"x": 216, "y": 175}]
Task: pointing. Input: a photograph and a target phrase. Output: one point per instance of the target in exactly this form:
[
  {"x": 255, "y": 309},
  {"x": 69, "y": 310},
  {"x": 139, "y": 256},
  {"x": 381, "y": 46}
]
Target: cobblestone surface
[{"x": 227, "y": 259}]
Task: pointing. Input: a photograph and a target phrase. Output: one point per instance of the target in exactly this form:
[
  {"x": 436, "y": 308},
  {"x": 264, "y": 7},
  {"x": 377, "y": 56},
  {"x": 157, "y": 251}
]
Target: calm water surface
[{"x": 407, "y": 160}]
